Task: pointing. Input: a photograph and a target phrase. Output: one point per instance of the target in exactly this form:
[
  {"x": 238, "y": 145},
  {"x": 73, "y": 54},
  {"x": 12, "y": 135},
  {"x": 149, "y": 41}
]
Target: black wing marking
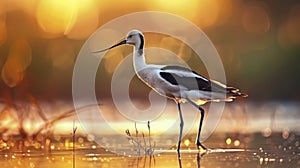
[
  {"x": 191, "y": 83},
  {"x": 180, "y": 68}
]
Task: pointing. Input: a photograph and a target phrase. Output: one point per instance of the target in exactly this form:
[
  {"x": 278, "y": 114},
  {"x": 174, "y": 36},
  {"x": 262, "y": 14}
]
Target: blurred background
[{"x": 258, "y": 41}]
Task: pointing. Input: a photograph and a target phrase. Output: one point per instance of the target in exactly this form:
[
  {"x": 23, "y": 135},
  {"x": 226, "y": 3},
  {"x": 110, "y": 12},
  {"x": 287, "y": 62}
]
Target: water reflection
[
  {"x": 275, "y": 144},
  {"x": 147, "y": 161},
  {"x": 198, "y": 159},
  {"x": 227, "y": 158}
]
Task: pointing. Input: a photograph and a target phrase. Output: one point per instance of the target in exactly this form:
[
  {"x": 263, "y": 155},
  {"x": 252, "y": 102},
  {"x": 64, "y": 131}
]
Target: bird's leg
[
  {"x": 199, "y": 144},
  {"x": 181, "y": 128},
  {"x": 200, "y": 127}
]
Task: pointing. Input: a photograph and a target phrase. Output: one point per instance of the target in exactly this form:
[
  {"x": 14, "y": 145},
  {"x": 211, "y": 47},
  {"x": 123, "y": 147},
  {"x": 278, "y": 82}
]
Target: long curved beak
[{"x": 120, "y": 43}]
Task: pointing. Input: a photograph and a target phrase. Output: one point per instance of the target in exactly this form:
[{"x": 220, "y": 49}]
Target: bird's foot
[
  {"x": 201, "y": 147},
  {"x": 178, "y": 147}
]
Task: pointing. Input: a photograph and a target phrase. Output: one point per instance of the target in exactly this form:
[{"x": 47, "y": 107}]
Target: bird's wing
[
  {"x": 191, "y": 80},
  {"x": 177, "y": 75}
]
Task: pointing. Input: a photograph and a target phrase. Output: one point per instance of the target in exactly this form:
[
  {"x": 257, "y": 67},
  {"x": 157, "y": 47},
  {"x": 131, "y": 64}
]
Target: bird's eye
[{"x": 129, "y": 36}]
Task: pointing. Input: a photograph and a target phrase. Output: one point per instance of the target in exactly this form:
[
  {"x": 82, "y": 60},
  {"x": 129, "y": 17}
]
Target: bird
[{"x": 178, "y": 83}]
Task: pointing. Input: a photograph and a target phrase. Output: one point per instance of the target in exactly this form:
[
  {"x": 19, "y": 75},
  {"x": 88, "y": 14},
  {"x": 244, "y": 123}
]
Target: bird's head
[{"x": 134, "y": 37}]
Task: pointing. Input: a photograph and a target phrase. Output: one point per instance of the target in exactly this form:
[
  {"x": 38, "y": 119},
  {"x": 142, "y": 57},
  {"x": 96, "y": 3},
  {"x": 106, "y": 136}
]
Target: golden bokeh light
[
  {"x": 228, "y": 141},
  {"x": 56, "y": 16},
  {"x": 87, "y": 20},
  {"x": 67, "y": 143},
  {"x": 183, "y": 8},
  {"x": 204, "y": 12},
  {"x": 18, "y": 60},
  {"x": 187, "y": 142},
  {"x": 236, "y": 143},
  {"x": 208, "y": 13},
  {"x": 255, "y": 19},
  {"x": 267, "y": 132},
  {"x": 285, "y": 133}
]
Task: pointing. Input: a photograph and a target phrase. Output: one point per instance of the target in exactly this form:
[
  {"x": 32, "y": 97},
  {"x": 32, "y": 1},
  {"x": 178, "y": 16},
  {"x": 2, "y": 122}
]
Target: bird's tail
[
  {"x": 231, "y": 92},
  {"x": 234, "y": 93}
]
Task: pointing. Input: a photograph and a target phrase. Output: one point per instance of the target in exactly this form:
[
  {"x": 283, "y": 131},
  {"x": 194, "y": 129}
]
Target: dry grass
[{"x": 140, "y": 145}]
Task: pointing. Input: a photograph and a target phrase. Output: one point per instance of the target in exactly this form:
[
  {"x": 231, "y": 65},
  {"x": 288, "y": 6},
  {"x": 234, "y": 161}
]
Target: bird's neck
[{"x": 139, "y": 61}]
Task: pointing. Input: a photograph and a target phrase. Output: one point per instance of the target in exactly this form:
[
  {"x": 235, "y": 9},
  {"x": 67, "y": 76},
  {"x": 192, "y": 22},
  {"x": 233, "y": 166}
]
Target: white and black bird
[{"x": 178, "y": 83}]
